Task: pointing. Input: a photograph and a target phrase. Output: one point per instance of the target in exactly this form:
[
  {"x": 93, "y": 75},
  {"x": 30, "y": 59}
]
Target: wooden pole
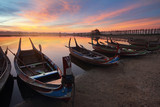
[{"x": 21, "y": 61}]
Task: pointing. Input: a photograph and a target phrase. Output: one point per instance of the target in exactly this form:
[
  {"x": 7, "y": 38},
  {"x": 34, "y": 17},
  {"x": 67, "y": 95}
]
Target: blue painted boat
[{"x": 41, "y": 74}]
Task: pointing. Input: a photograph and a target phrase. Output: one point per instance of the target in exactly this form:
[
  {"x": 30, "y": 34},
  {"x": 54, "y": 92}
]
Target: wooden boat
[
  {"x": 41, "y": 74},
  {"x": 91, "y": 56},
  {"x": 103, "y": 48},
  {"x": 114, "y": 44},
  {"x": 139, "y": 42},
  {"x": 5, "y": 68},
  {"x": 150, "y": 45},
  {"x": 153, "y": 45}
]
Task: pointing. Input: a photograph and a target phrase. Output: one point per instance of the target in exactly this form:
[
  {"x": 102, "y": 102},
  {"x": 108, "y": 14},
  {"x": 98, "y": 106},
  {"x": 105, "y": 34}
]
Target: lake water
[{"x": 52, "y": 46}]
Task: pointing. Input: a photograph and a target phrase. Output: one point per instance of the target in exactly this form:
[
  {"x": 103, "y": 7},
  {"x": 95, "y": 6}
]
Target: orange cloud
[
  {"x": 145, "y": 23},
  {"x": 49, "y": 10},
  {"x": 105, "y": 15}
]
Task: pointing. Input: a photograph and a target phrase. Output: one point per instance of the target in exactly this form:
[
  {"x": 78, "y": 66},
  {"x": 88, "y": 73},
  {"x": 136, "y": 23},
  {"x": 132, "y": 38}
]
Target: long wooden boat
[
  {"x": 143, "y": 42},
  {"x": 103, "y": 48},
  {"x": 149, "y": 47},
  {"x": 139, "y": 42},
  {"x": 91, "y": 56},
  {"x": 114, "y": 44},
  {"x": 5, "y": 68},
  {"x": 41, "y": 74}
]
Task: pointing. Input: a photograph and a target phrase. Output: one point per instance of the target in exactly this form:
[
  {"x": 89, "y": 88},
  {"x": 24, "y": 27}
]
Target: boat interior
[
  {"x": 106, "y": 46},
  {"x": 37, "y": 67},
  {"x": 88, "y": 53}
]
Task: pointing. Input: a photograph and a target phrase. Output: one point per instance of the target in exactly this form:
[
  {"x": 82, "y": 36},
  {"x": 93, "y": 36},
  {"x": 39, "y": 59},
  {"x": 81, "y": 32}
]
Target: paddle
[{"x": 21, "y": 61}]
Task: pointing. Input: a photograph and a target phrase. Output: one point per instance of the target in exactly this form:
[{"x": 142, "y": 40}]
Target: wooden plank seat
[
  {"x": 43, "y": 74},
  {"x": 33, "y": 65}
]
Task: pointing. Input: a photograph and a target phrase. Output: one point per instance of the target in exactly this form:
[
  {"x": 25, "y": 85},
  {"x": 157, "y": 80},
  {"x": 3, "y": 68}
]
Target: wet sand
[{"x": 134, "y": 82}]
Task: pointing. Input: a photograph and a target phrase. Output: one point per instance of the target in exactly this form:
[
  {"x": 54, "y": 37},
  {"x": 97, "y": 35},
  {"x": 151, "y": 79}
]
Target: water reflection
[
  {"x": 6, "y": 93},
  {"x": 54, "y": 48},
  {"x": 25, "y": 90},
  {"x": 32, "y": 98}
]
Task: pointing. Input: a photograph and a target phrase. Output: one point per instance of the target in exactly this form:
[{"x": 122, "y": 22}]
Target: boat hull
[
  {"x": 91, "y": 61},
  {"x": 127, "y": 46},
  {"x": 4, "y": 76},
  {"x": 58, "y": 93},
  {"x": 122, "y": 53}
]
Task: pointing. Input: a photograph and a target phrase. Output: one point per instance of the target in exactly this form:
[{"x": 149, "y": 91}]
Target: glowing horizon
[{"x": 78, "y": 16}]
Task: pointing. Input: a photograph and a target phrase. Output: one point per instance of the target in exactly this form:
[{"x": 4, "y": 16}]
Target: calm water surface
[{"x": 52, "y": 46}]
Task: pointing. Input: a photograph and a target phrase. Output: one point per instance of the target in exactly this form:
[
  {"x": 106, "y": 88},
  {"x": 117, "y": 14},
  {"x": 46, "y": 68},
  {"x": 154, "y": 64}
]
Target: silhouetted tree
[{"x": 95, "y": 32}]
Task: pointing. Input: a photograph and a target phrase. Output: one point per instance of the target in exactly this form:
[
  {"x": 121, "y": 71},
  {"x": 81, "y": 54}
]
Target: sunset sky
[{"x": 78, "y": 15}]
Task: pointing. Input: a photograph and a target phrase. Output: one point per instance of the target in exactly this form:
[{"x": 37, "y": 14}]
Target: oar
[{"x": 21, "y": 61}]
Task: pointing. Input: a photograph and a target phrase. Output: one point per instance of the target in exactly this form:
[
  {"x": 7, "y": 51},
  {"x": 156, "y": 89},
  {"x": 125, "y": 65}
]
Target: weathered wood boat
[
  {"x": 5, "y": 68},
  {"x": 153, "y": 45},
  {"x": 114, "y": 44},
  {"x": 41, "y": 74},
  {"x": 139, "y": 42},
  {"x": 150, "y": 45},
  {"x": 103, "y": 48},
  {"x": 91, "y": 56}
]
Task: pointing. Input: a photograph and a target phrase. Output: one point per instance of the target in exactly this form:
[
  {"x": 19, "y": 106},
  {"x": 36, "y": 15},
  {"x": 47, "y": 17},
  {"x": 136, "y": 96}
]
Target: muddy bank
[{"x": 134, "y": 82}]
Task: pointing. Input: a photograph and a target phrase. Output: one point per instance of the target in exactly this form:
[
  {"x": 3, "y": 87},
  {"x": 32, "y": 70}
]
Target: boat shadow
[
  {"x": 87, "y": 66},
  {"x": 83, "y": 65},
  {"x": 6, "y": 92}
]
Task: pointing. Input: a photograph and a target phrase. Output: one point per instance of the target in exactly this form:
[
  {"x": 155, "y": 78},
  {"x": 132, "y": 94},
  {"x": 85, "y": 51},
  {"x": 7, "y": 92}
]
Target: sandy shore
[{"x": 134, "y": 82}]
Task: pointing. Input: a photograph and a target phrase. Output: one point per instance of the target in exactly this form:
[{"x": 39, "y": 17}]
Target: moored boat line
[
  {"x": 104, "y": 48},
  {"x": 90, "y": 56}
]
